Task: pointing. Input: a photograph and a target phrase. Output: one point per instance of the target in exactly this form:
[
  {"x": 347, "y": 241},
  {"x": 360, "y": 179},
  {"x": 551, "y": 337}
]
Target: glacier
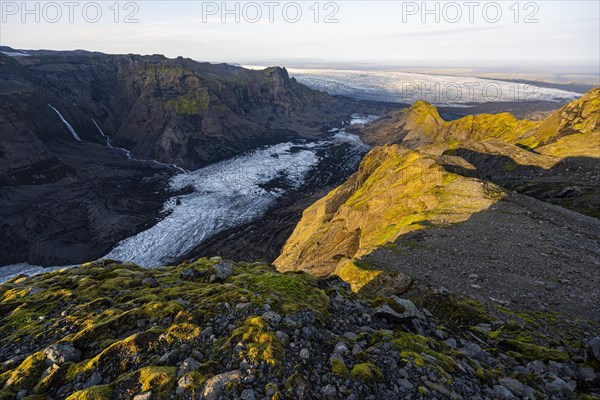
[
  {"x": 440, "y": 90},
  {"x": 224, "y": 195}
]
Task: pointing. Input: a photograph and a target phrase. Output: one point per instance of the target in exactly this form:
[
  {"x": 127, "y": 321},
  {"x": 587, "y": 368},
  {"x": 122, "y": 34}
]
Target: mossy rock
[
  {"x": 458, "y": 310},
  {"x": 160, "y": 380},
  {"x": 339, "y": 368},
  {"x": 101, "y": 392},
  {"x": 415, "y": 347},
  {"x": 367, "y": 372},
  {"x": 99, "y": 308},
  {"x": 519, "y": 349},
  {"x": 261, "y": 342},
  {"x": 28, "y": 373}
]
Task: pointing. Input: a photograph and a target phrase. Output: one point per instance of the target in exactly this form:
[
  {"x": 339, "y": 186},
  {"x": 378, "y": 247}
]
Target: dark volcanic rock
[
  {"x": 173, "y": 110},
  {"x": 66, "y": 201}
]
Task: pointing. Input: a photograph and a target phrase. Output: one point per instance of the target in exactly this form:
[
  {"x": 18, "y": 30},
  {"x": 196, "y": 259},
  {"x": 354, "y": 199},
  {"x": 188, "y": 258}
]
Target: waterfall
[
  {"x": 128, "y": 152},
  {"x": 108, "y": 143},
  {"x": 68, "y": 125}
]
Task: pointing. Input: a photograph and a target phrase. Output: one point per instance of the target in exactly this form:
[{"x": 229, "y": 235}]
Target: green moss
[
  {"x": 124, "y": 355},
  {"x": 379, "y": 301},
  {"x": 422, "y": 391},
  {"x": 102, "y": 392},
  {"x": 367, "y": 372},
  {"x": 7, "y": 395},
  {"x": 188, "y": 105},
  {"x": 14, "y": 294},
  {"x": 203, "y": 98},
  {"x": 358, "y": 274},
  {"x": 415, "y": 346},
  {"x": 339, "y": 369},
  {"x": 587, "y": 397},
  {"x": 380, "y": 336},
  {"x": 261, "y": 343},
  {"x": 291, "y": 291},
  {"x": 182, "y": 332},
  {"x": 488, "y": 376},
  {"x": 160, "y": 380},
  {"x": 532, "y": 351},
  {"x": 459, "y": 310},
  {"x": 27, "y": 374},
  {"x": 511, "y": 166},
  {"x": 272, "y": 388},
  {"x": 197, "y": 380}
]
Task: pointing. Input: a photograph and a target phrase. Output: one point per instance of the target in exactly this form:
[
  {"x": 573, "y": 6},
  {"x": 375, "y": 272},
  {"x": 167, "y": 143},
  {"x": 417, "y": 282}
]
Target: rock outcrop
[
  {"x": 442, "y": 201},
  {"x": 395, "y": 191},
  {"x": 421, "y": 125},
  {"x": 173, "y": 110},
  {"x": 97, "y": 332}
]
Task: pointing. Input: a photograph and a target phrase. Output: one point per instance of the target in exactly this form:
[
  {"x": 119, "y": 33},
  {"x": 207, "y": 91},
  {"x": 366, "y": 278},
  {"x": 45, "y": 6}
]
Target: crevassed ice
[
  {"x": 441, "y": 90},
  {"x": 224, "y": 195},
  {"x": 10, "y": 271},
  {"x": 357, "y": 119}
]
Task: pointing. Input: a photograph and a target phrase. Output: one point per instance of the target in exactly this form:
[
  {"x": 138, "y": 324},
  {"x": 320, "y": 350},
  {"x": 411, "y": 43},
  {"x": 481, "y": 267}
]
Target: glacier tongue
[
  {"x": 440, "y": 90},
  {"x": 221, "y": 196},
  {"x": 224, "y": 195}
]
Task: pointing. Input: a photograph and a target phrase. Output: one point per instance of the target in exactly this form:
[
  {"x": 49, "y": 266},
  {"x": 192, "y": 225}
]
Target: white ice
[
  {"x": 441, "y": 90},
  {"x": 10, "y": 271},
  {"x": 225, "y": 195}
]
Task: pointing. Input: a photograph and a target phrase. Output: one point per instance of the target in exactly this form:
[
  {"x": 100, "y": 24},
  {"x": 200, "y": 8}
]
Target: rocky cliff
[
  {"x": 422, "y": 125},
  {"x": 68, "y": 197},
  {"x": 395, "y": 191},
  {"x": 440, "y": 206},
  {"x": 173, "y": 110}
]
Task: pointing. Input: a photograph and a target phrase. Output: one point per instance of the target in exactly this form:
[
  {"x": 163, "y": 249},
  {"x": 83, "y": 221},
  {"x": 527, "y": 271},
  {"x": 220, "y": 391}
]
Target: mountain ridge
[{"x": 443, "y": 177}]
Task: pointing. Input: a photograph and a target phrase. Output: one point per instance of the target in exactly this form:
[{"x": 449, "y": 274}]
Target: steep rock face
[
  {"x": 395, "y": 191},
  {"x": 421, "y": 125},
  {"x": 412, "y": 126},
  {"x": 580, "y": 117},
  {"x": 24, "y": 157},
  {"x": 457, "y": 175},
  {"x": 173, "y": 110}
]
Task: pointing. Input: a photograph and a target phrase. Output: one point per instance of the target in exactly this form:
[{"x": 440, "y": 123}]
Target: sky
[{"x": 486, "y": 33}]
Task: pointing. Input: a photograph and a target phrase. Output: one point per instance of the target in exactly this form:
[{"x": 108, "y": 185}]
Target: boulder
[
  {"x": 60, "y": 353},
  {"x": 189, "y": 274},
  {"x": 400, "y": 310},
  {"x": 223, "y": 270},
  {"x": 188, "y": 365},
  {"x": 593, "y": 348},
  {"x": 272, "y": 317},
  {"x": 149, "y": 282},
  {"x": 214, "y": 388}
]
